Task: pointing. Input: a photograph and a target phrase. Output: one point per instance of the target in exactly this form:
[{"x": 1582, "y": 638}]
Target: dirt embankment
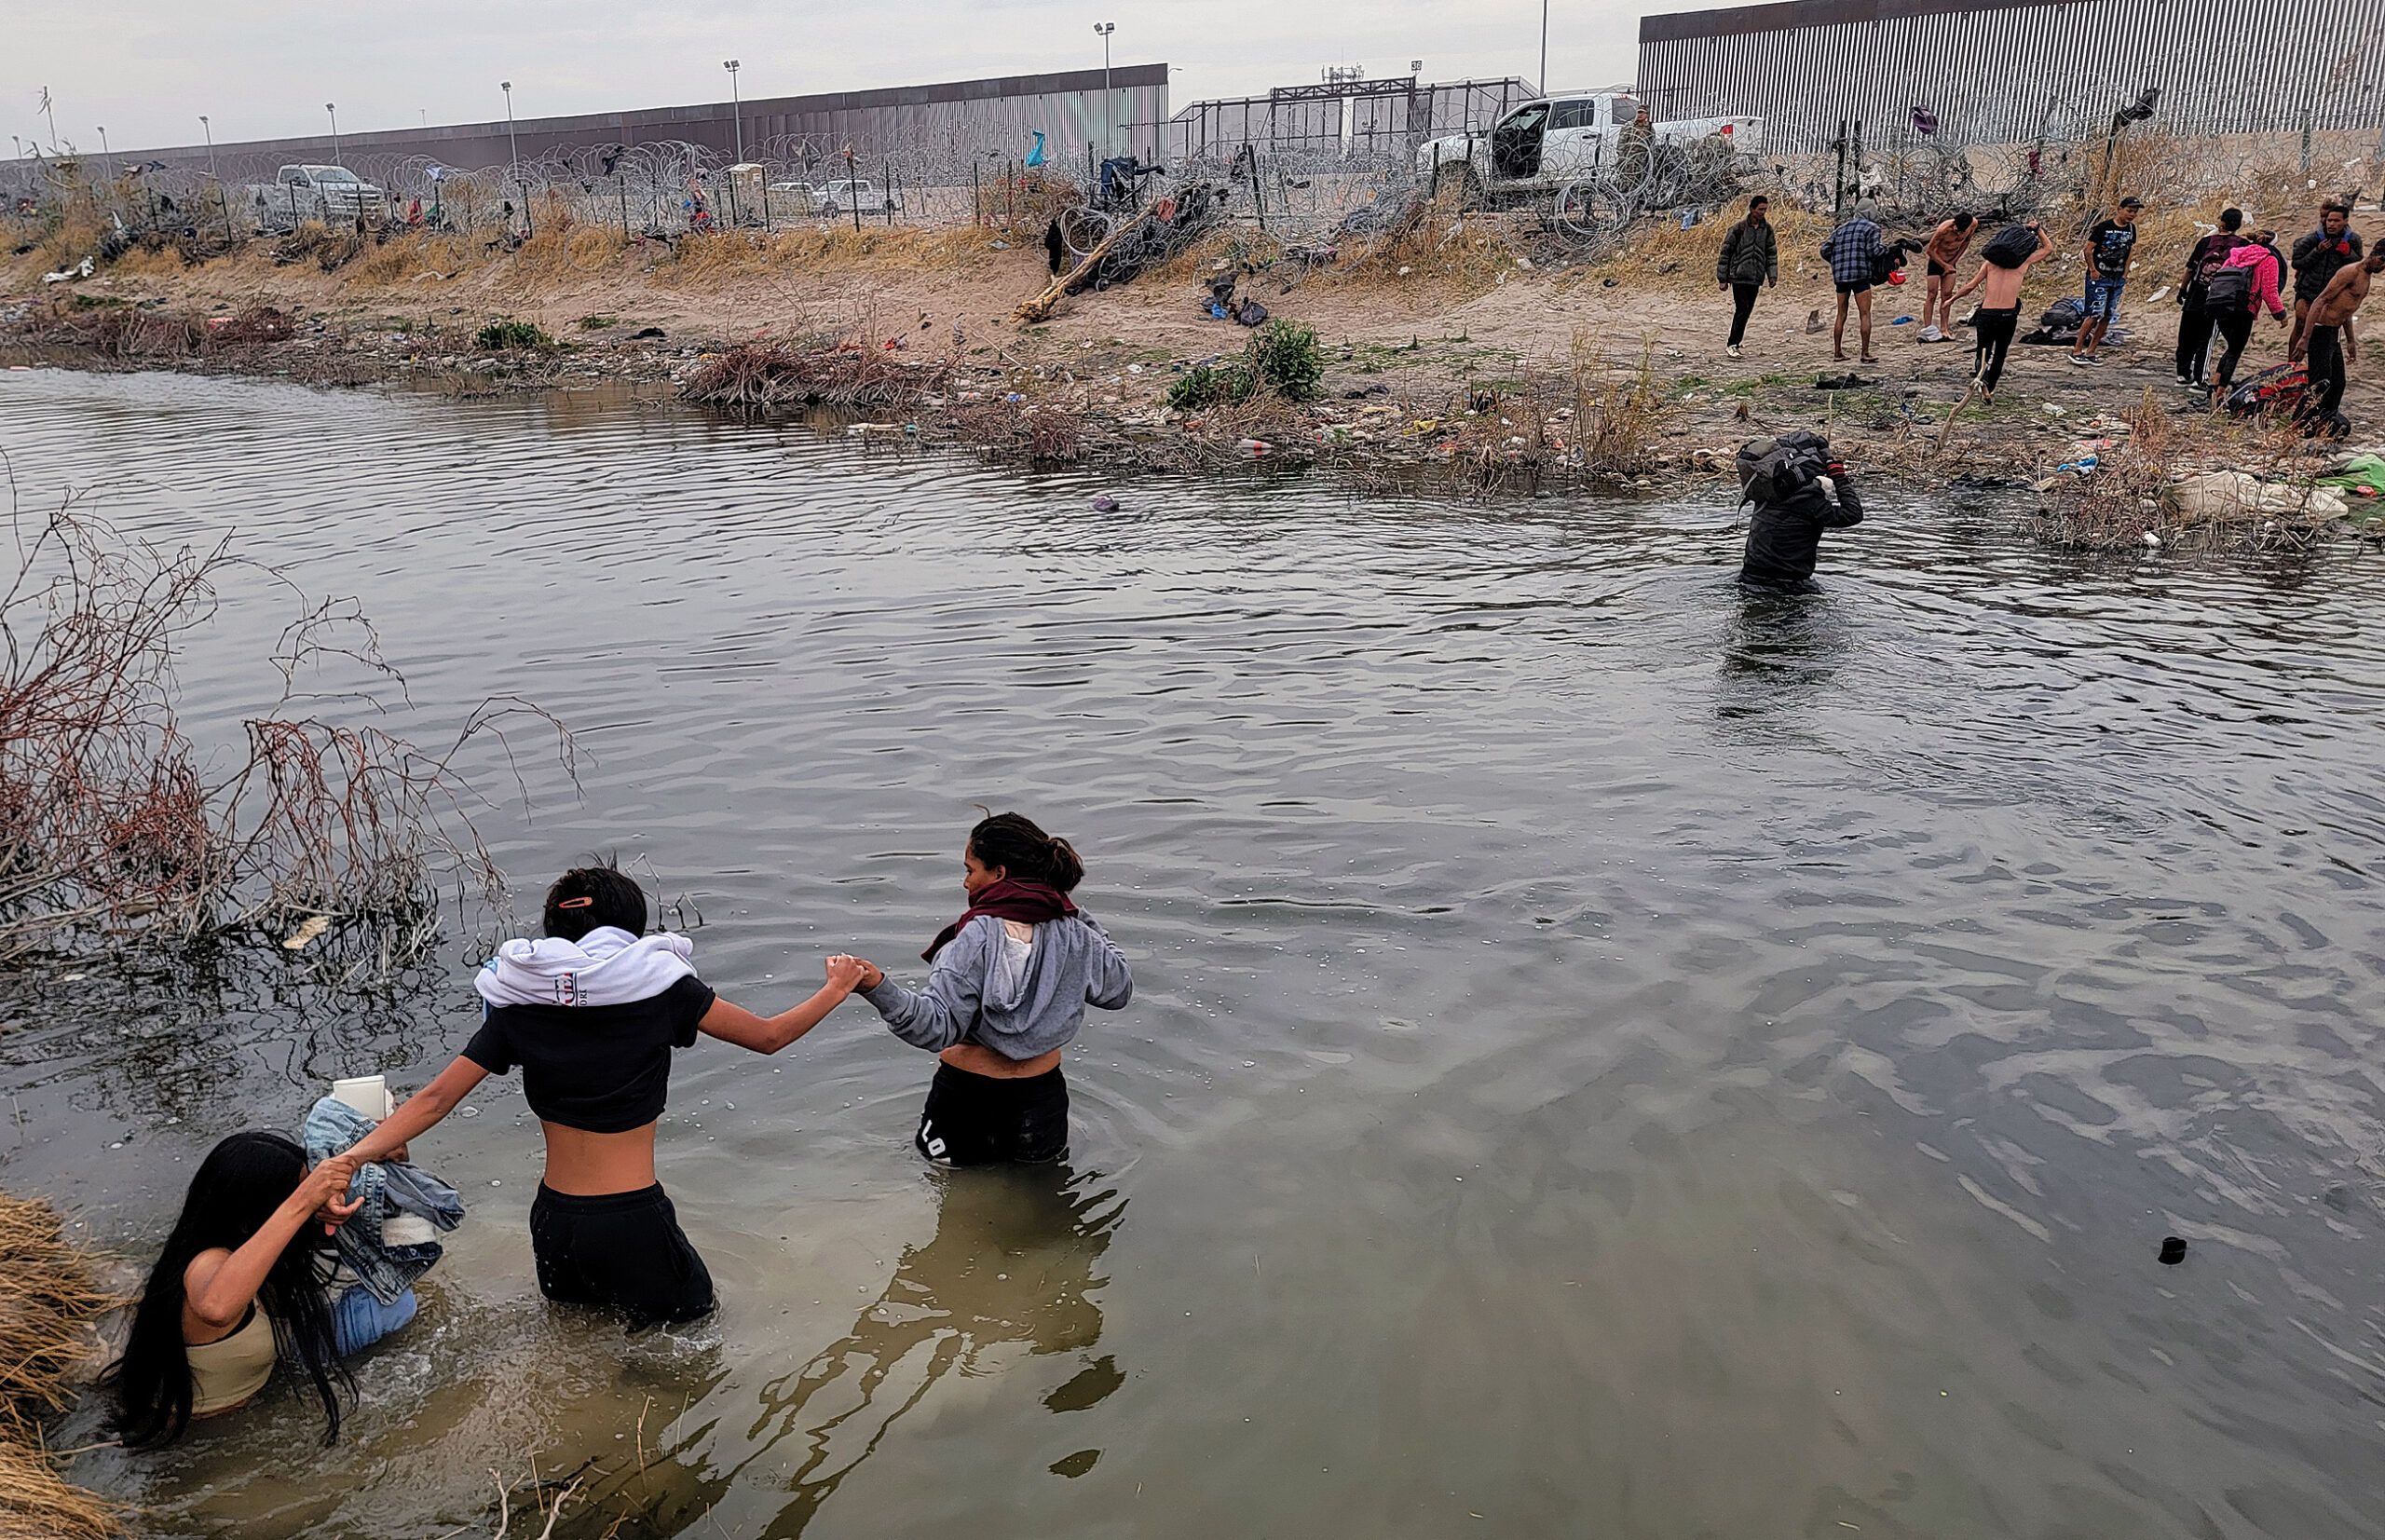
[{"x": 1463, "y": 350}]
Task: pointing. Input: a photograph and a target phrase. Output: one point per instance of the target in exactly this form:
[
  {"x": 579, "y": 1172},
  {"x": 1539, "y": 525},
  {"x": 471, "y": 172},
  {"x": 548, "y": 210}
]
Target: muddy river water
[{"x": 1610, "y": 1056}]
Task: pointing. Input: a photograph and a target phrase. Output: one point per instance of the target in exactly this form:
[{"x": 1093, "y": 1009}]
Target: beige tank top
[{"x": 229, "y": 1371}]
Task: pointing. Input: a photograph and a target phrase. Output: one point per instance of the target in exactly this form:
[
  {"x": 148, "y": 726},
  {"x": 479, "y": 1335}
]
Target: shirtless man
[
  {"x": 1944, "y": 255},
  {"x": 1999, "y": 312},
  {"x": 2329, "y": 343}
]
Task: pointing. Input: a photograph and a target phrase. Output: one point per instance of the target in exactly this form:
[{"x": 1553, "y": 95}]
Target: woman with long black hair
[
  {"x": 1012, "y": 978},
  {"x": 243, "y": 1285}
]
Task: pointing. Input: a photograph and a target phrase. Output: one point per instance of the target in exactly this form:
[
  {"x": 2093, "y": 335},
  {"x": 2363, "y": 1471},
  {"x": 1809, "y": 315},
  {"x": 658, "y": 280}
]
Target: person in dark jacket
[
  {"x": 2195, "y": 319},
  {"x": 1750, "y": 260},
  {"x": 2317, "y": 258},
  {"x": 1785, "y": 479}
]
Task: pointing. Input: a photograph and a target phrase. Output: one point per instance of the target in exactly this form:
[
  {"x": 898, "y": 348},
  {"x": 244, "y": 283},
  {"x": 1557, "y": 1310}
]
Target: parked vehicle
[
  {"x": 843, "y": 197},
  {"x": 1538, "y": 148},
  {"x": 331, "y": 194}
]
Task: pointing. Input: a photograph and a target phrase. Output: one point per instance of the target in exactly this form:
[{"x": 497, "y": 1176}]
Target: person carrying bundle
[{"x": 2004, "y": 266}]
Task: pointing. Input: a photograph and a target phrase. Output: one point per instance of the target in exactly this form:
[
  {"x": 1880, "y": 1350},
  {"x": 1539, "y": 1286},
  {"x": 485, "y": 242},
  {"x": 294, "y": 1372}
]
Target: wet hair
[
  {"x": 586, "y": 897},
  {"x": 1012, "y": 842},
  {"x": 1965, "y": 220},
  {"x": 2231, "y": 219},
  {"x": 240, "y": 1184}
]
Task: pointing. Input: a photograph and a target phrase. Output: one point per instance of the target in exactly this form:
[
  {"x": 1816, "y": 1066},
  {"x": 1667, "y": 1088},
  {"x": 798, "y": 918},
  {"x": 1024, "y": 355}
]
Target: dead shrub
[
  {"x": 776, "y": 375},
  {"x": 115, "y": 828},
  {"x": 1041, "y": 435}
]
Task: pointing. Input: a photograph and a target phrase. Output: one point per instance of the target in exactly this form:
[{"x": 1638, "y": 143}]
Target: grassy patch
[{"x": 500, "y": 336}]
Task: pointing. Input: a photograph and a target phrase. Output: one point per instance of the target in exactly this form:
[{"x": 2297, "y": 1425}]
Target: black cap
[
  {"x": 2173, "y": 1250},
  {"x": 2132, "y": 202}
]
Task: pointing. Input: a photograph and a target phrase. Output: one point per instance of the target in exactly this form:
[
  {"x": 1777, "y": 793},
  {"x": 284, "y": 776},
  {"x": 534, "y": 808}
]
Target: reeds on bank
[{"x": 49, "y": 1297}]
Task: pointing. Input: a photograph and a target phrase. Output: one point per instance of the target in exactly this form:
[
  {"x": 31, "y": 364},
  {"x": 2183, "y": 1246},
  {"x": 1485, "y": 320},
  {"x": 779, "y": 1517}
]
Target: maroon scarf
[{"x": 1029, "y": 903}]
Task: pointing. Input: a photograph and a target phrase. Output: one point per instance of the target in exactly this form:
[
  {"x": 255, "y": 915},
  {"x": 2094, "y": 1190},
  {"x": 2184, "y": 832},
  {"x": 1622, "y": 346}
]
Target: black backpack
[
  {"x": 2012, "y": 246},
  {"x": 2215, "y": 260},
  {"x": 2228, "y": 289},
  {"x": 1773, "y": 469}
]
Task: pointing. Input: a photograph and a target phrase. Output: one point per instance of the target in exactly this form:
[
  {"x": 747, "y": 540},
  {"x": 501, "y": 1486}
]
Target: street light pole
[
  {"x": 513, "y": 151},
  {"x": 1109, "y": 103},
  {"x": 736, "y": 109},
  {"x": 107, "y": 162},
  {"x": 334, "y": 110},
  {"x": 208, "y": 129},
  {"x": 1544, "y": 47}
]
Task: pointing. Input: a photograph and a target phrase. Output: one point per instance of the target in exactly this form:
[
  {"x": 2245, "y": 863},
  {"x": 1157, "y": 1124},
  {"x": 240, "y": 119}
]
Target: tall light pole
[
  {"x": 208, "y": 129},
  {"x": 1109, "y": 106},
  {"x": 107, "y": 162},
  {"x": 513, "y": 149},
  {"x": 334, "y": 112},
  {"x": 1544, "y": 47},
  {"x": 736, "y": 109}
]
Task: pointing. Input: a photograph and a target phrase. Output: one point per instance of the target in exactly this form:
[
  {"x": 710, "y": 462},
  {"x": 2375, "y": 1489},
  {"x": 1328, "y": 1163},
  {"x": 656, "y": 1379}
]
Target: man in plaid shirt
[{"x": 1852, "y": 250}]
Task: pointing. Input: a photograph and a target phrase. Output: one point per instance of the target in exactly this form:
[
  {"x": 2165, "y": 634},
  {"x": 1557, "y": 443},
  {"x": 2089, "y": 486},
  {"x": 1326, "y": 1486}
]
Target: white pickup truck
[
  {"x": 1539, "y": 147},
  {"x": 331, "y": 194}
]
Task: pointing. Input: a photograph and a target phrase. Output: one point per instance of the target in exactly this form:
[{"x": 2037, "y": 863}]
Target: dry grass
[
  {"x": 50, "y": 1297},
  {"x": 1436, "y": 245}
]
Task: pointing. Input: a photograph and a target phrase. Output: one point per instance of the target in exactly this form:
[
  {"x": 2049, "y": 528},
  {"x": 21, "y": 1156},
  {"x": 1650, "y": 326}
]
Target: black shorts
[
  {"x": 977, "y": 1120},
  {"x": 1938, "y": 269},
  {"x": 620, "y": 1251},
  {"x": 1861, "y": 286}
]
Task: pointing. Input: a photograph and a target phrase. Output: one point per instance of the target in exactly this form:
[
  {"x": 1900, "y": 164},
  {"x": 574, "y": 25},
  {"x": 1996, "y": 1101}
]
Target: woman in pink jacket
[{"x": 2241, "y": 289}]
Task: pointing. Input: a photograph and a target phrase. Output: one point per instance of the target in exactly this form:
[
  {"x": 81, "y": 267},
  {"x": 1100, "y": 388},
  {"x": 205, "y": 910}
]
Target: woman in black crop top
[{"x": 591, "y": 1015}]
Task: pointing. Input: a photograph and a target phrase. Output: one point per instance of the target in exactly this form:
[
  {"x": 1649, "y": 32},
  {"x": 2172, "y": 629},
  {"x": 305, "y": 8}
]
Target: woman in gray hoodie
[{"x": 1012, "y": 978}]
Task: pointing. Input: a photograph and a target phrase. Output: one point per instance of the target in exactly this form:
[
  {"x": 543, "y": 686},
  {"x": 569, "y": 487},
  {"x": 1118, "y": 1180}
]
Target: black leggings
[
  {"x": 1994, "y": 329},
  {"x": 620, "y": 1251},
  {"x": 2236, "y": 328},
  {"x": 1742, "y": 306},
  {"x": 979, "y": 1119},
  {"x": 2194, "y": 340}
]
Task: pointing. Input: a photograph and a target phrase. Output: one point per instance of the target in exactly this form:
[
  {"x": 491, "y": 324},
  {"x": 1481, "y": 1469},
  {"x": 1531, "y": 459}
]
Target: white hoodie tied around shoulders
[{"x": 608, "y": 966}]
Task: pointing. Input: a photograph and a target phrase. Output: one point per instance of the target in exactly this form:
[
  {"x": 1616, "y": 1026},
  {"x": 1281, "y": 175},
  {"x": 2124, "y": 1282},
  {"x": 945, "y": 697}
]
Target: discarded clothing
[
  {"x": 1843, "y": 382},
  {"x": 389, "y": 1244}
]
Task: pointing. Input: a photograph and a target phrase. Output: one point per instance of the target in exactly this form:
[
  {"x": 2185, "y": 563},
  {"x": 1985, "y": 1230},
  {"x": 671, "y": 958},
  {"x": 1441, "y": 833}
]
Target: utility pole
[
  {"x": 208, "y": 129},
  {"x": 736, "y": 110},
  {"x": 334, "y": 112},
  {"x": 107, "y": 161},
  {"x": 1109, "y": 103},
  {"x": 1544, "y": 47}
]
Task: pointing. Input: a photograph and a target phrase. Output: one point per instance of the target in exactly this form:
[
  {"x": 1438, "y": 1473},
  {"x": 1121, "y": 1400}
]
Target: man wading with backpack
[
  {"x": 1785, "y": 479},
  {"x": 2194, "y": 298}
]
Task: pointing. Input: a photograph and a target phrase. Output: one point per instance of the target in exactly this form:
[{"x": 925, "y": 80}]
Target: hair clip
[{"x": 575, "y": 903}]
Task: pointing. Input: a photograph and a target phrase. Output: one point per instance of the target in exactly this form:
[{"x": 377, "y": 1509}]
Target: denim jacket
[{"x": 390, "y": 1190}]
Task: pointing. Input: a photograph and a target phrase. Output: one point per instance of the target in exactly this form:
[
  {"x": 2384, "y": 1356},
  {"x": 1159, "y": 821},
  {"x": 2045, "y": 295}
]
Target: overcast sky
[{"x": 146, "y": 69}]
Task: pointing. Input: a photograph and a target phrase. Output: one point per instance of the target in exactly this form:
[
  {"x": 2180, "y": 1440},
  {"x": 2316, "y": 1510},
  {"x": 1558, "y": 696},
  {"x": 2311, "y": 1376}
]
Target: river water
[{"x": 1609, "y": 1056}]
